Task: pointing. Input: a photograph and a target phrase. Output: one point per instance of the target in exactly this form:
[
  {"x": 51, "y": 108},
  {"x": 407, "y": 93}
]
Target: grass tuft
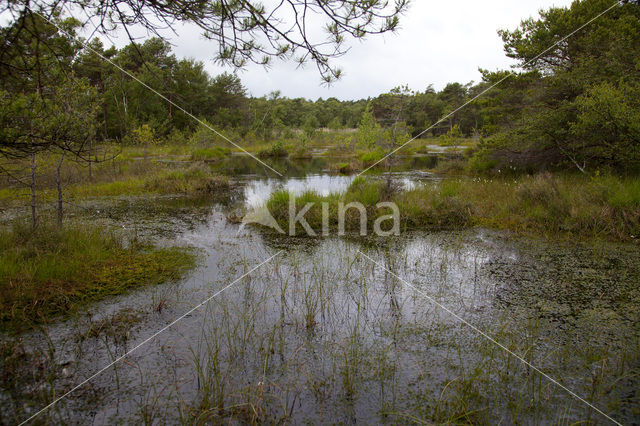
[
  {"x": 209, "y": 154},
  {"x": 544, "y": 204},
  {"x": 51, "y": 271}
]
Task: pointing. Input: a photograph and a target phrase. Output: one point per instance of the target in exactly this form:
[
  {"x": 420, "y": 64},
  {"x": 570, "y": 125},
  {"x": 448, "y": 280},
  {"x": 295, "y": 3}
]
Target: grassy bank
[
  {"x": 172, "y": 168},
  {"x": 599, "y": 207},
  {"x": 51, "y": 272},
  {"x": 125, "y": 178},
  {"x": 193, "y": 179}
]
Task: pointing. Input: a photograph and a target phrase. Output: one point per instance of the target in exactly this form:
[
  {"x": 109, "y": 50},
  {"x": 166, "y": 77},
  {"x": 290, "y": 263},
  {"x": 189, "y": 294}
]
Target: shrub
[
  {"x": 143, "y": 135},
  {"x": 371, "y": 157},
  {"x": 276, "y": 150},
  {"x": 344, "y": 168},
  {"x": 301, "y": 150},
  {"x": 177, "y": 137},
  {"x": 481, "y": 161},
  {"x": 203, "y": 136}
]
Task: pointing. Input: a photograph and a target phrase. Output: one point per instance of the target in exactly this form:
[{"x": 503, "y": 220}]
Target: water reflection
[{"x": 257, "y": 192}]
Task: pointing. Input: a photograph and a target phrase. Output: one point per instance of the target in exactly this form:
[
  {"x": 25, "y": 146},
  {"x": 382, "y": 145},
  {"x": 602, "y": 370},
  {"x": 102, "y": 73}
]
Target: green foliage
[
  {"x": 452, "y": 166},
  {"x": 370, "y": 157},
  {"x": 194, "y": 180},
  {"x": 369, "y": 131},
  {"x": 301, "y": 150},
  {"x": 364, "y": 191},
  {"x": 310, "y": 125},
  {"x": 177, "y": 138},
  {"x": 143, "y": 136},
  {"x": 209, "y": 154},
  {"x": 276, "y": 150},
  {"x": 335, "y": 123},
  {"x": 577, "y": 105},
  {"x": 481, "y": 162},
  {"x": 54, "y": 271},
  {"x": 344, "y": 168},
  {"x": 419, "y": 209},
  {"x": 573, "y": 106},
  {"x": 62, "y": 118},
  {"x": 543, "y": 204},
  {"x": 452, "y": 136},
  {"x": 608, "y": 125},
  {"x": 619, "y": 193},
  {"x": 261, "y": 32},
  {"x": 202, "y": 136}
]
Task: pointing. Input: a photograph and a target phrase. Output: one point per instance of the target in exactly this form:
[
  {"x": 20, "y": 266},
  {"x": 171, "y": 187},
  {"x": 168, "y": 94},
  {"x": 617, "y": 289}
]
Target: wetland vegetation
[
  {"x": 50, "y": 272},
  {"x": 124, "y": 241},
  {"x": 543, "y": 204}
]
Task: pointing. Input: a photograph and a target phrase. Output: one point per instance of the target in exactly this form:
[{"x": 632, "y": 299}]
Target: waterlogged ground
[{"x": 340, "y": 330}]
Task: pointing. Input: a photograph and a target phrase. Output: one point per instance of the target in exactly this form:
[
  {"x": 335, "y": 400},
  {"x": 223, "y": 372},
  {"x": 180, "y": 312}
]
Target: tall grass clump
[
  {"x": 435, "y": 207},
  {"x": 195, "y": 179},
  {"x": 600, "y": 206},
  {"x": 209, "y": 154},
  {"x": 52, "y": 271},
  {"x": 278, "y": 206},
  {"x": 367, "y": 192},
  {"x": 276, "y": 150},
  {"x": 370, "y": 157},
  {"x": 543, "y": 204}
]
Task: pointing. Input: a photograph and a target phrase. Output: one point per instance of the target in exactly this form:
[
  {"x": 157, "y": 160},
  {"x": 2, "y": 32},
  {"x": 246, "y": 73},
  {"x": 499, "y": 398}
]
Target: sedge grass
[
  {"x": 53, "y": 271},
  {"x": 603, "y": 207}
]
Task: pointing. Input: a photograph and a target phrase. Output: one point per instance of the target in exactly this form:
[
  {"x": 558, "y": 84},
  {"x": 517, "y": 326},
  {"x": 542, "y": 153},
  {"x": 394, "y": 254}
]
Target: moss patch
[{"x": 51, "y": 272}]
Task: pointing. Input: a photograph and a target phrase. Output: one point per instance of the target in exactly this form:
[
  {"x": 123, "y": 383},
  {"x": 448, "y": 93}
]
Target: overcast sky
[{"x": 438, "y": 42}]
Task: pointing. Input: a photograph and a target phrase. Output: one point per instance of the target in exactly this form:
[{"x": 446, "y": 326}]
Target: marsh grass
[
  {"x": 323, "y": 338},
  {"x": 300, "y": 152},
  {"x": 117, "y": 326},
  {"x": 545, "y": 204},
  {"x": 195, "y": 179},
  {"x": 209, "y": 154},
  {"x": 276, "y": 150},
  {"x": 549, "y": 205},
  {"x": 54, "y": 271},
  {"x": 369, "y": 158},
  {"x": 438, "y": 211},
  {"x": 345, "y": 167},
  {"x": 187, "y": 171},
  {"x": 324, "y": 328},
  {"x": 198, "y": 180}
]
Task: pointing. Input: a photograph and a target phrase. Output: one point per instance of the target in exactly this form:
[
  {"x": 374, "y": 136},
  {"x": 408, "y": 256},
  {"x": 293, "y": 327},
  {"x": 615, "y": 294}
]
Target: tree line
[{"x": 576, "y": 105}]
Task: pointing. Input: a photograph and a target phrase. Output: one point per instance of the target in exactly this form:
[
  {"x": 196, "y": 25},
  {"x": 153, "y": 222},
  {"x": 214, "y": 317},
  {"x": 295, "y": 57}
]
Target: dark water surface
[{"x": 323, "y": 334}]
